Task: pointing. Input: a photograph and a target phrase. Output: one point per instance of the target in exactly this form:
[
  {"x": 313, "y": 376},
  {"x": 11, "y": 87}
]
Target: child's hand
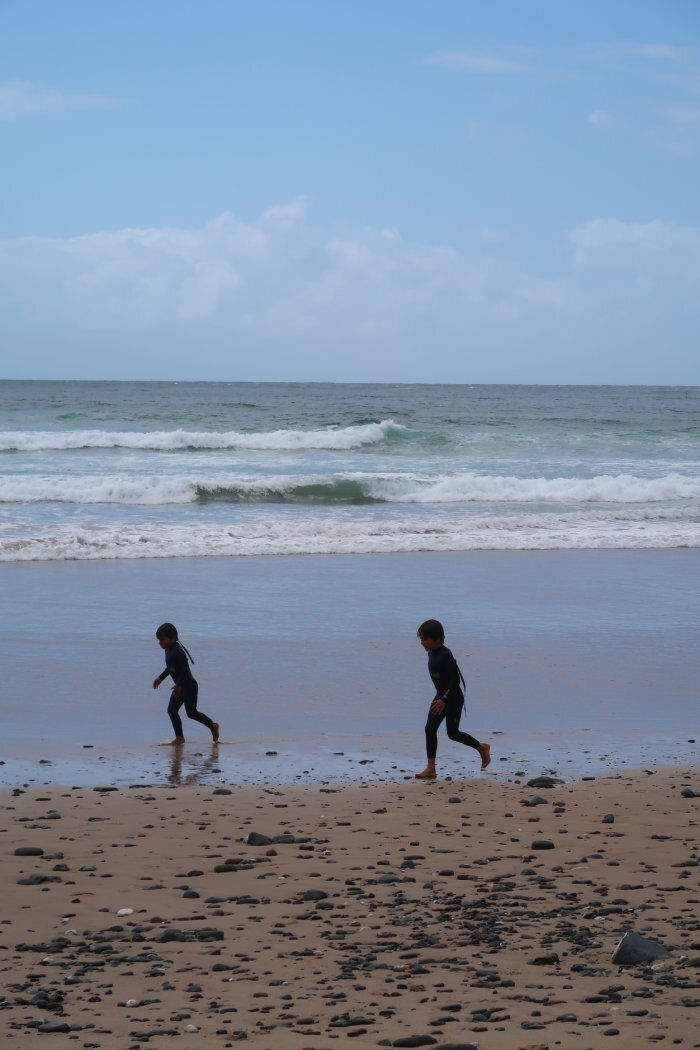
[{"x": 156, "y": 683}]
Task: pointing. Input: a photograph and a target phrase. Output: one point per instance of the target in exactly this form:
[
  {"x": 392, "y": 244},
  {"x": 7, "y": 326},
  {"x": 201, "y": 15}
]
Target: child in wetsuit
[
  {"x": 448, "y": 702},
  {"x": 185, "y": 689}
]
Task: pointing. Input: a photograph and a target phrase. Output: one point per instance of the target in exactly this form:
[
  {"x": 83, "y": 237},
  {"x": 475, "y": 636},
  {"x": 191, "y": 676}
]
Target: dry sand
[{"x": 388, "y": 911}]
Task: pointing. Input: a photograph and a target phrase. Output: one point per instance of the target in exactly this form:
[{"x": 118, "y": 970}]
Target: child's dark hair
[
  {"x": 432, "y": 629},
  {"x": 167, "y": 630}
]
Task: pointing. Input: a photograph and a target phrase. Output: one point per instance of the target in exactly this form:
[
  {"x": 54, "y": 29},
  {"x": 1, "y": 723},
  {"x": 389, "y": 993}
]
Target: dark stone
[
  {"x": 634, "y": 949},
  {"x": 415, "y": 1040},
  {"x": 209, "y": 935},
  {"x": 314, "y": 895},
  {"x": 688, "y": 793},
  {"x": 37, "y": 880},
  {"x": 171, "y": 934},
  {"x": 542, "y": 844},
  {"x": 254, "y": 838},
  {"x": 457, "y": 1046},
  {"x": 544, "y": 782},
  {"x": 29, "y": 851}
]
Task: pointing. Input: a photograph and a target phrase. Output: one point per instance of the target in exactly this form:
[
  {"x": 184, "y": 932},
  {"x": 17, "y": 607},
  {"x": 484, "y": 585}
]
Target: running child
[
  {"x": 448, "y": 703},
  {"x": 185, "y": 689}
]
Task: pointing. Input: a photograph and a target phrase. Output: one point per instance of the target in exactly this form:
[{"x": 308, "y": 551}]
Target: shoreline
[
  {"x": 476, "y": 912},
  {"x": 255, "y": 765}
]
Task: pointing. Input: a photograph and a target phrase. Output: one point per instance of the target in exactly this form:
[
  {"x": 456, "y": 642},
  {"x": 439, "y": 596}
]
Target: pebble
[
  {"x": 255, "y": 838},
  {"x": 544, "y": 782}
]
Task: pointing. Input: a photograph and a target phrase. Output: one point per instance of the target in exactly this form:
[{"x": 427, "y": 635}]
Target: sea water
[
  {"x": 104, "y": 470},
  {"x": 544, "y": 525}
]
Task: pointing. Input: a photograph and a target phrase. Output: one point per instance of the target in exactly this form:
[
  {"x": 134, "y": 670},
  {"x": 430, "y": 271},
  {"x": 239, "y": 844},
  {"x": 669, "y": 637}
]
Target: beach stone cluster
[{"x": 378, "y": 913}]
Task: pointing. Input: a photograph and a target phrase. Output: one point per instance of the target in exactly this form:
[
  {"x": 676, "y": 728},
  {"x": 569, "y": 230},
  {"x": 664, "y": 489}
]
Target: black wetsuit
[
  {"x": 178, "y": 666},
  {"x": 444, "y": 672}
]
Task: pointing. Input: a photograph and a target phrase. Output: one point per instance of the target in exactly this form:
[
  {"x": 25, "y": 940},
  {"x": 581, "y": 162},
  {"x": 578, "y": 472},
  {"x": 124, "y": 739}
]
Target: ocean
[
  {"x": 554, "y": 531},
  {"x": 115, "y": 470}
]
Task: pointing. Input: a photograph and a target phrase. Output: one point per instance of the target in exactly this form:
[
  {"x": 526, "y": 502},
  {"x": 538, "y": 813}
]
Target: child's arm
[
  {"x": 440, "y": 702},
  {"x": 161, "y": 677}
]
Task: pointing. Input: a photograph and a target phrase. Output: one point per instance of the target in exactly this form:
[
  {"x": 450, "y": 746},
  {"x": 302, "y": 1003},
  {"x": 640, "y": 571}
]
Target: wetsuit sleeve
[
  {"x": 450, "y": 673},
  {"x": 176, "y": 666}
]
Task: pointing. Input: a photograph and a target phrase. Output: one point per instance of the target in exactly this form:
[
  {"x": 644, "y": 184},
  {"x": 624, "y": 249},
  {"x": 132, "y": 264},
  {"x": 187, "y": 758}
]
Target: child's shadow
[{"x": 197, "y": 768}]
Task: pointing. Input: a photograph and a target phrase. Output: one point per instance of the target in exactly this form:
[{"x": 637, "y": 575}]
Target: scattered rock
[
  {"x": 634, "y": 949},
  {"x": 544, "y": 782},
  {"x": 254, "y": 838}
]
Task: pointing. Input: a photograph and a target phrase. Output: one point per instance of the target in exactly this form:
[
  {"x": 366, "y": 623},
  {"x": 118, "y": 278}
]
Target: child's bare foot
[
  {"x": 215, "y": 732},
  {"x": 485, "y": 752},
  {"x": 177, "y": 742},
  {"x": 427, "y": 774}
]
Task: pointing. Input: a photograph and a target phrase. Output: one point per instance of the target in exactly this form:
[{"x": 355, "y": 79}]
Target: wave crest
[
  {"x": 350, "y": 534},
  {"x": 332, "y": 438},
  {"x": 355, "y": 489}
]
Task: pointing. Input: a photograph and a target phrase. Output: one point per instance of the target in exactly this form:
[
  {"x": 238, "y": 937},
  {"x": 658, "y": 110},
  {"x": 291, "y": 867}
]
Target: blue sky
[{"x": 391, "y": 191}]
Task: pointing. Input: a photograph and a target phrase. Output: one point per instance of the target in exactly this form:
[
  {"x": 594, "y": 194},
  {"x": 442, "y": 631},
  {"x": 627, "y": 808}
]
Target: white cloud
[
  {"x": 480, "y": 62},
  {"x": 493, "y": 235},
  {"x": 288, "y": 212},
  {"x": 655, "y": 257},
  {"x": 298, "y": 300},
  {"x": 599, "y": 117},
  {"x": 687, "y": 115},
  {"x": 659, "y": 51},
  {"x": 20, "y": 99}
]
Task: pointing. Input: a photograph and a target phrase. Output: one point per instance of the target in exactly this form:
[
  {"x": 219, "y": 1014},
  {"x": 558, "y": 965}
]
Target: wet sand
[{"x": 462, "y": 913}]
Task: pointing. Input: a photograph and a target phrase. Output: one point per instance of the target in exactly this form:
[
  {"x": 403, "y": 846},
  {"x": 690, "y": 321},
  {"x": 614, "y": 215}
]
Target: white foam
[
  {"x": 342, "y": 438},
  {"x": 130, "y": 489},
  {"x": 122, "y": 489},
  {"x": 605, "y": 488},
  {"x": 350, "y": 533}
]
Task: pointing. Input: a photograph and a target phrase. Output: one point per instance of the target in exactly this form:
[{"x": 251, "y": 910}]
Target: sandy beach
[{"x": 462, "y": 913}]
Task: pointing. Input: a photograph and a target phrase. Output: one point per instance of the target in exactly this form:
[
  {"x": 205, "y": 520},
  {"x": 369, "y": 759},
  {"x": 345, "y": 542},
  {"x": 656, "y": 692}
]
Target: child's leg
[
  {"x": 454, "y": 715},
  {"x": 199, "y": 716},
  {"x": 431, "y": 727},
  {"x": 173, "y": 709}
]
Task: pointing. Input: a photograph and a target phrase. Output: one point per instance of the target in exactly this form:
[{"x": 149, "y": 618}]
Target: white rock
[
  {"x": 132, "y": 1002},
  {"x": 190, "y": 1028},
  {"x": 125, "y": 911}
]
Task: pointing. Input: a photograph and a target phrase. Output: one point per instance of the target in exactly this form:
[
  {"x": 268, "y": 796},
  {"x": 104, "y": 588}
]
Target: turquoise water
[{"x": 142, "y": 470}]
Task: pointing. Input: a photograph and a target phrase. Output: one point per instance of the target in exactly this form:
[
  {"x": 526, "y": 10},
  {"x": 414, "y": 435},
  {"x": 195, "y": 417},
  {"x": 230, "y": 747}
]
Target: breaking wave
[
  {"x": 342, "y": 438},
  {"x": 357, "y": 489},
  {"x": 350, "y": 532}
]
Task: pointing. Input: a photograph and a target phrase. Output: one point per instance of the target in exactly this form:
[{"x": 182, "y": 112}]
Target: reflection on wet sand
[{"x": 196, "y": 767}]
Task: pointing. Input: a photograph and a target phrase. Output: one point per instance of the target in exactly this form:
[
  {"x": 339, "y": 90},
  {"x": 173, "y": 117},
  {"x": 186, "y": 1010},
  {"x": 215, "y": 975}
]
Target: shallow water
[{"x": 575, "y": 662}]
